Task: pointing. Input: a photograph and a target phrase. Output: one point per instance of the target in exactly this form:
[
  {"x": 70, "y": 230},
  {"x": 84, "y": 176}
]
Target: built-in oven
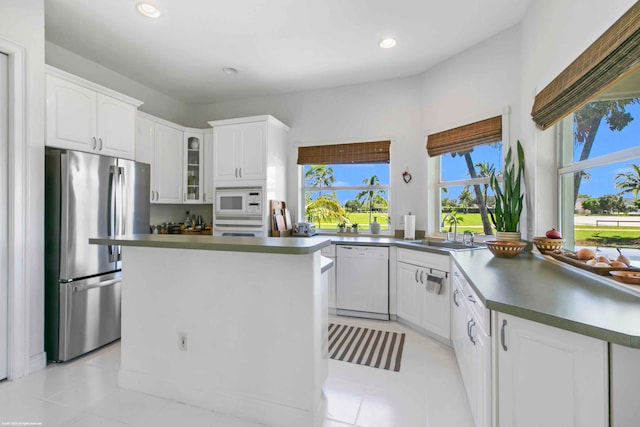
[{"x": 239, "y": 211}]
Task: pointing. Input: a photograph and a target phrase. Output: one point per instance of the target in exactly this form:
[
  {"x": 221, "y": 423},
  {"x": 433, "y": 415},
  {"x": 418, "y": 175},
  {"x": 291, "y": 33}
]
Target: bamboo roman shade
[
  {"x": 610, "y": 56},
  {"x": 465, "y": 137},
  {"x": 358, "y": 152}
]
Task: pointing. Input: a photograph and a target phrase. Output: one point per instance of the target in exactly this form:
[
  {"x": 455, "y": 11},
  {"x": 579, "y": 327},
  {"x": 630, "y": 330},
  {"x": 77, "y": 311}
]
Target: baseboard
[
  {"x": 37, "y": 362},
  {"x": 425, "y": 332},
  {"x": 227, "y": 402}
]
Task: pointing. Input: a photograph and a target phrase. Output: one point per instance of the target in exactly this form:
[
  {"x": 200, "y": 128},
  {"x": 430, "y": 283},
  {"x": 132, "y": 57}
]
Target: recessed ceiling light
[
  {"x": 229, "y": 70},
  {"x": 387, "y": 43},
  {"x": 148, "y": 10}
]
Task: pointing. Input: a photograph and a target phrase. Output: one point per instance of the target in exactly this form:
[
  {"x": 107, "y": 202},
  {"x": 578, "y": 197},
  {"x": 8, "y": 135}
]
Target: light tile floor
[{"x": 427, "y": 392}]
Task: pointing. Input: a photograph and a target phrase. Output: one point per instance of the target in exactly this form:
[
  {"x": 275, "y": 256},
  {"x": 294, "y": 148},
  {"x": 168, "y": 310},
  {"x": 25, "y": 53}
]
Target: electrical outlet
[{"x": 183, "y": 343}]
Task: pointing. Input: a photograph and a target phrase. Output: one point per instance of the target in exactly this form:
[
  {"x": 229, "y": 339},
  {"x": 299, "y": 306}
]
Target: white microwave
[{"x": 239, "y": 203}]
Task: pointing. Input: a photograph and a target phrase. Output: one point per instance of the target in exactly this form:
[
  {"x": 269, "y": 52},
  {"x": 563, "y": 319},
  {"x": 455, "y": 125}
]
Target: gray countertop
[
  {"x": 534, "y": 288},
  {"x": 274, "y": 245}
]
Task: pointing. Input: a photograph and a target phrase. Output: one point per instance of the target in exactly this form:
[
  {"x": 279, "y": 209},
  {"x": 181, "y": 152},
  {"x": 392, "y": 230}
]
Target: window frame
[
  {"x": 388, "y": 188},
  {"x": 435, "y": 164},
  {"x": 566, "y": 166}
]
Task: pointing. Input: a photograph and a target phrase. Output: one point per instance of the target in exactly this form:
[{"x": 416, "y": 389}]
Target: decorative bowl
[
  {"x": 544, "y": 244},
  {"x": 505, "y": 248},
  {"x": 630, "y": 277}
]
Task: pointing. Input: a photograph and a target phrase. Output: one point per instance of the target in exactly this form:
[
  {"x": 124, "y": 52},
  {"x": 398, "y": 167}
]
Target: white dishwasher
[{"x": 362, "y": 281}]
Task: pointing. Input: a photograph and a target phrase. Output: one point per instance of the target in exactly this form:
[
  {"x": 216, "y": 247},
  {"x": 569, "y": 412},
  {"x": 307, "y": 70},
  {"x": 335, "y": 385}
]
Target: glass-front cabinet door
[{"x": 193, "y": 167}]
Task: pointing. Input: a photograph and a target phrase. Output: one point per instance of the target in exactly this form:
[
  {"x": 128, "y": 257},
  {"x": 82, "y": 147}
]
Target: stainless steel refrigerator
[{"x": 87, "y": 195}]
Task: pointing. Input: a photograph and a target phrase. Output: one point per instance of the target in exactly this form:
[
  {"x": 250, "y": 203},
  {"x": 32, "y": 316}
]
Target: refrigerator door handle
[
  {"x": 112, "y": 212},
  {"x": 83, "y": 288},
  {"x": 122, "y": 209}
]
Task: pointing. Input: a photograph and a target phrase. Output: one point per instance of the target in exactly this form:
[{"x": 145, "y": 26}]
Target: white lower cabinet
[
  {"x": 330, "y": 252},
  {"x": 472, "y": 345},
  {"x": 415, "y": 303},
  {"x": 549, "y": 376}
]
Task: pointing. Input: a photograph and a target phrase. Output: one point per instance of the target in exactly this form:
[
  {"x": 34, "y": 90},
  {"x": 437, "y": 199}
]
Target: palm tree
[
  {"x": 319, "y": 176},
  {"x": 465, "y": 198},
  {"x": 485, "y": 170},
  {"x": 629, "y": 181},
  {"x": 482, "y": 207},
  {"x": 586, "y": 123},
  {"x": 371, "y": 197},
  {"x": 325, "y": 209}
]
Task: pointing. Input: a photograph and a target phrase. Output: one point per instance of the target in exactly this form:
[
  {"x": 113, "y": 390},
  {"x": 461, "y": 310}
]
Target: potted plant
[
  {"x": 341, "y": 227},
  {"x": 354, "y": 228},
  {"x": 509, "y": 197}
]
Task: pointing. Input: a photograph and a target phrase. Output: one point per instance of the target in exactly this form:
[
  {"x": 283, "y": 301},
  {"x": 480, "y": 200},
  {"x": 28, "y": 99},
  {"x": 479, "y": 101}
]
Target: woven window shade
[
  {"x": 465, "y": 137},
  {"x": 608, "y": 58},
  {"x": 359, "y": 152}
]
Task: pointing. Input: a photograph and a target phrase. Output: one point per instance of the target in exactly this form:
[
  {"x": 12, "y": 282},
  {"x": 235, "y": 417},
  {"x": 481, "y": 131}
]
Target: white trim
[
  {"x": 37, "y": 362},
  {"x": 18, "y": 303},
  {"x": 91, "y": 85},
  {"x": 266, "y": 118},
  {"x": 606, "y": 159}
]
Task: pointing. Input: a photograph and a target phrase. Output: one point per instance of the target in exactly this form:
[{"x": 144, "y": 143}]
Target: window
[
  {"x": 464, "y": 187},
  {"x": 467, "y": 156},
  {"x": 599, "y": 176},
  {"x": 346, "y": 184}
]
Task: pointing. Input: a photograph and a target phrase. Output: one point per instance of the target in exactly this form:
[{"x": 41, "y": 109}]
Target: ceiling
[{"x": 278, "y": 46}]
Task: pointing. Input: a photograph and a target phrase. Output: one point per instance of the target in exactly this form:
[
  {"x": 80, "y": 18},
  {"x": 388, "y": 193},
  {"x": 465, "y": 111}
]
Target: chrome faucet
[
  {"x": 455, "y": 227},
  {"x": 471, "y": 237}
]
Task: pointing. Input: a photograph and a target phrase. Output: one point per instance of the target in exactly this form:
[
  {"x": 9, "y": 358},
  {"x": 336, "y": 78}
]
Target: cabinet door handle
[
  {"x": 472, "y": 323},
  {"x": 94, "y": 142},
  {"x": 502, "y": 333},
  {"x": 416, "y": 276},
  {"x": 240, "y": 172},
  {"x": 454, "y": 298},
  {"x": 99, "y": 144},
  {"x": 421, "y": 276},
  {"x": 471, "y": 298},
  {"x": 236, "y": 172},
  {"x": 153, "y": 196},
  {"x": 157, "y": 195}
]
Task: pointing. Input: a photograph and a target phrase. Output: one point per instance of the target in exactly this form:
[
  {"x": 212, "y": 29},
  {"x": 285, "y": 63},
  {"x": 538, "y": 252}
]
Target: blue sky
[{"x": 354, "y": 174}]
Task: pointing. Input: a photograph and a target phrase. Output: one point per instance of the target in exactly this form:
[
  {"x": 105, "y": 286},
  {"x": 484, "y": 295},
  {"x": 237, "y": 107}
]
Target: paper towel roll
[{"x": 410, "y": 227}]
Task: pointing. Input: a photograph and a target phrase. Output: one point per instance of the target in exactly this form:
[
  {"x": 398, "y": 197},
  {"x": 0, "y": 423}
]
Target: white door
[
  {"x": 225, "y": 162},
  {"x": 116, "y": 127},
  {"x": 71, "y": 116},
  {"x": 168, "y": 164},
  {"x": 4, "y": 135},
  {"x": 252, "y": 151},
  {"x": 408, "y": 307},
  {"x": 550, "y": 377}
]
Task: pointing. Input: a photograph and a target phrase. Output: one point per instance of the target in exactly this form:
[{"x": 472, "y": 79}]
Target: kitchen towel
[
  {"x": 434, "y": 284},
  {"x": 410, "y": 227}
]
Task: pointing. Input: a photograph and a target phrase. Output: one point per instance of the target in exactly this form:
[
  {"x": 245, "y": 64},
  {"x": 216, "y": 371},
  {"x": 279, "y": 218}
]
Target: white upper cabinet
[
  {"x": 167, "y": 164},
  {"x": 207, "y": 176},
  {"x": 193, "y": 167},
  {"x": 83, "y": 116},
  {"x": 244, "y": 148}
]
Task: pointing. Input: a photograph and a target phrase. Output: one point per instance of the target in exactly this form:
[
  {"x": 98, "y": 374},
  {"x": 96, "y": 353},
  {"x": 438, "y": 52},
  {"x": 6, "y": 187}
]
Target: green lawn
[
  {"x": 360, "y": 218},
  {"x": 624, "y": 237}
]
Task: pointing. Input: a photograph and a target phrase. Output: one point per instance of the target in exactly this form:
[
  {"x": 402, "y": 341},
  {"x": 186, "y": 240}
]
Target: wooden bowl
[
  {"x": 544, "y": 244},
  {"x": 505, "y": 248},
  {"x": 629, "y": 277}
]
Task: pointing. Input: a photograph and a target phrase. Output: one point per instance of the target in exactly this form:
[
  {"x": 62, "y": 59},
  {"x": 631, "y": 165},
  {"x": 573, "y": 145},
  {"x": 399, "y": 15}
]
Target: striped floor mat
[{"x": 364, "y": 346}]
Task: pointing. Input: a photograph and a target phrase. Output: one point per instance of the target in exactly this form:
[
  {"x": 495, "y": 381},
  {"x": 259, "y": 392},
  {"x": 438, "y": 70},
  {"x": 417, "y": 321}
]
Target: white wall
[
  {"x": 22, "y": 22},
  {"x": 474, "y": 85},
  {"x": 155, "y": 103},
  {"x": 381, "y": 110},
  {"x": 554, "y": 34}
]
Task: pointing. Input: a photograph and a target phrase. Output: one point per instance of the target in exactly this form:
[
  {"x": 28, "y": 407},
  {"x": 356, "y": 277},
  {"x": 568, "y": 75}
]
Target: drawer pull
[
  {"x": 502, "y": 333},
  {"x": 472, "y": 323},
  {"x": 471, "y": 298},
  {"x": 454, "y": 298}
]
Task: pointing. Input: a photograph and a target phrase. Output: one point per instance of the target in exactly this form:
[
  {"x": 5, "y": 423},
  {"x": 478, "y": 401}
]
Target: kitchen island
[{"x": 232, "y": 324}]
